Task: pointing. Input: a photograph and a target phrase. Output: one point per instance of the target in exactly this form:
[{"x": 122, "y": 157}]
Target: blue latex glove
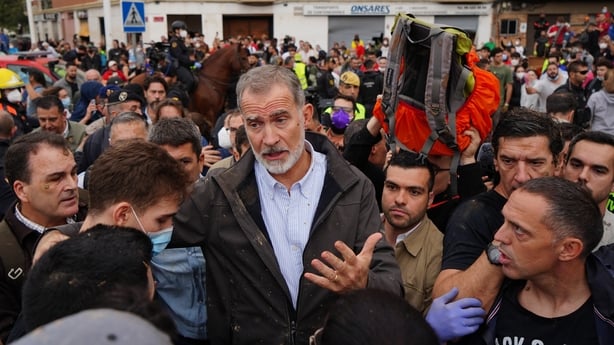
[
  {"x": 198, "y": 65},
  {"x": 452, "y": 320}
]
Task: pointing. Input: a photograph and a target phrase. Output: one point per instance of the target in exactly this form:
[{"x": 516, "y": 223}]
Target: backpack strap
[
  {"x": 441, "y": 117},
  {"x": 435, "y": 100},
  {"x": 393, "y": 77},
  {"x": 13, "y": 260}
]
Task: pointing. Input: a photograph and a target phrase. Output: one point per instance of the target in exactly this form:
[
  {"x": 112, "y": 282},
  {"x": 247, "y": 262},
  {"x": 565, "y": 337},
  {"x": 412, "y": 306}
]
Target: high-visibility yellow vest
[{"x": 300, "y": 70}]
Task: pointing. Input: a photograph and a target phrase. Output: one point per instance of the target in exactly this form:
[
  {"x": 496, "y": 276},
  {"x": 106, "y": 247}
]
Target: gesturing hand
[{"x": 344, "y": 274}]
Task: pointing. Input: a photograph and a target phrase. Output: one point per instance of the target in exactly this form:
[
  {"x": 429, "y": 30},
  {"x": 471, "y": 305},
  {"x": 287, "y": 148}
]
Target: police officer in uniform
[{"x": 180, "y": 54}]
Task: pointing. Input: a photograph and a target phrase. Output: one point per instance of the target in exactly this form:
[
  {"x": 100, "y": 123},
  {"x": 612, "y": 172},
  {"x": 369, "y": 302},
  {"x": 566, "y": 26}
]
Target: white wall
[
  {"x": 287, "y": 20},
  {"x": 313, "y": 29},
  {"x": 484, "y": 32}
]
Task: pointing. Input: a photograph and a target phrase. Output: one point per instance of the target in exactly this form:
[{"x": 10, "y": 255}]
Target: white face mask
[
  {"x": 603, "y": 45},
  {"x": 14, "y": 96},
  {"x": 519, "y": 75},
  {"x": 515, "y": 62},
  {"x": 183, "y": 33},
  {"x": 197, "y": 45},
  {"x": 223, "y": 138}
]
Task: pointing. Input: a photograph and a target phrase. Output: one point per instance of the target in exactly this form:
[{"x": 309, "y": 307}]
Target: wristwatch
[{"x": 493, "y": 254}]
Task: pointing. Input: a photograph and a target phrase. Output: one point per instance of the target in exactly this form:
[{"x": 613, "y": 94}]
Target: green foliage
[{"x": 13, "y": 12}]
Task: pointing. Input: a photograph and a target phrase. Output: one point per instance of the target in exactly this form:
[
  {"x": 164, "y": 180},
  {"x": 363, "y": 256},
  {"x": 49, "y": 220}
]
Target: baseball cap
[
  {"x": 97, "y": 327},
  {"x": 115, "y": 81},
  {"x": 350, "y": 78},
  {"x": 112, "y": 63}
]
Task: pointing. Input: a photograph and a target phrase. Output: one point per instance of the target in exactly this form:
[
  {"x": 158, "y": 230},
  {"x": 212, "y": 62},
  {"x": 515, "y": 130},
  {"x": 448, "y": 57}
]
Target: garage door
[
  {"x": 467, "y": 23},
  {"x": 343, "y": 29}
]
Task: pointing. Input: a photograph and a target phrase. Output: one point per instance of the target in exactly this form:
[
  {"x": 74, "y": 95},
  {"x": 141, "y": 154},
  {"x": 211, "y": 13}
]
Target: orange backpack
[{"x": 433, "y": 92}]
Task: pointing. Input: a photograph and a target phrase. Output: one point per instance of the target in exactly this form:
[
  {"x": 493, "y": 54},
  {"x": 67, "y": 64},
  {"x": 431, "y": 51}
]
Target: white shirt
[{"x": 288, "y": 215}]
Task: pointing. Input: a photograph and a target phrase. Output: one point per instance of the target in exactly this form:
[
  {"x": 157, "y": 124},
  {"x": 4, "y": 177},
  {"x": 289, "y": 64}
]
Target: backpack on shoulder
[
  {"x": 13, "y": 260},
  {"x": 433, "y": 91}
]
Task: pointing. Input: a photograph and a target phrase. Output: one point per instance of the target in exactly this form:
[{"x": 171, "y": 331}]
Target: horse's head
[{"x": 241, "y": 62}]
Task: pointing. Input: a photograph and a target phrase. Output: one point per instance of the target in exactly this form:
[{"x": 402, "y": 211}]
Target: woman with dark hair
[{"x": 517, "y": 85}]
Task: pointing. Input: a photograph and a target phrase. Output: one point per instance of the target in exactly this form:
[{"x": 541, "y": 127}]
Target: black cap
[{"x": 122, "y": 96}]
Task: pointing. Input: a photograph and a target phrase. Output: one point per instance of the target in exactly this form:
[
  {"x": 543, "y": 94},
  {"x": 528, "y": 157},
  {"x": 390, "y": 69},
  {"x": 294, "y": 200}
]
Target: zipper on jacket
[{"x": 292, "y": 332}]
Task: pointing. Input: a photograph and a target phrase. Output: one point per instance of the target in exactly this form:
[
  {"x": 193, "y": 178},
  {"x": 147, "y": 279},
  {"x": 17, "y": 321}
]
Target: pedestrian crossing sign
[{"x": 133, "y": 16}]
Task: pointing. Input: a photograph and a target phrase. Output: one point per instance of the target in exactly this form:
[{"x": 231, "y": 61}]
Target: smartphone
[{"x": 93, "y": 102}]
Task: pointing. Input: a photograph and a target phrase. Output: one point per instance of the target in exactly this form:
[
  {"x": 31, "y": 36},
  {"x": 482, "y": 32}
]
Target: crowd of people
[
  {"x": 562, "y": 61},
  {"x": 291, "y": 220}
]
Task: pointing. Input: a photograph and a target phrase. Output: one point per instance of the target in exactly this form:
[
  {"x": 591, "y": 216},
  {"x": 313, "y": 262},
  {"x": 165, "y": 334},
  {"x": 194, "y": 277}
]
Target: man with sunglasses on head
[{"x": 577, "y": 75}]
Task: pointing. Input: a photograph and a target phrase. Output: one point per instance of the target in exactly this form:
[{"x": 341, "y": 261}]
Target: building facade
[
  {"x": 514, "y": 19},
  {"x": 317, "y": 22}
]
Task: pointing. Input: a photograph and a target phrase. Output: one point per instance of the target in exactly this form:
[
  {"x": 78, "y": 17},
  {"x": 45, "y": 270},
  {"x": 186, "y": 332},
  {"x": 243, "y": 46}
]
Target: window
[{"x": 508, "y": 27}]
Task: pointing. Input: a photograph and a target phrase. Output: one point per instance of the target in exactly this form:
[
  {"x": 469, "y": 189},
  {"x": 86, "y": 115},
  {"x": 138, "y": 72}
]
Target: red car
[{"x": 20, "y": 62}]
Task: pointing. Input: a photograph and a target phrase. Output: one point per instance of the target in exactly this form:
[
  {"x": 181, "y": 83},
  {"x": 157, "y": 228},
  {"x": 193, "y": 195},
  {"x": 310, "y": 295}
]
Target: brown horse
[{"x": 219, "y": 74}]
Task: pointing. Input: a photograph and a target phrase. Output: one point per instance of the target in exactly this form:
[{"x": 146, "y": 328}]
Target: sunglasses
[{"x": 582, "y": 72}]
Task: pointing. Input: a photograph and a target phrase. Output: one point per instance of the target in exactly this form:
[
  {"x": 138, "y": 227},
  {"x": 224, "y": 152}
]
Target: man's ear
[
  {"x": 308, "y": 114},
  {"x": 21, "y": 191},
  {"x": 431, "y": 198},
  {"x": 121, "y": 213},
  {"x": 201, "y": 159},
  {"x": 570, "y": 248}
]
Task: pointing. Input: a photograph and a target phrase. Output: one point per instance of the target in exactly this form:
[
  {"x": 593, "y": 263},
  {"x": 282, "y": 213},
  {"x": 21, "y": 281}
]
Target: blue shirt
[
  {"x": 288, "y": 215},
  {"x": 180, "y": 277}
]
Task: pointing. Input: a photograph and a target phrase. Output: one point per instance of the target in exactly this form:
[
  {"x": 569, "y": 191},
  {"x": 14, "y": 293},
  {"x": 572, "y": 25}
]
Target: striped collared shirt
[
  {"x": 32, "y": 225},
  {"x": 288, "y": 215}
]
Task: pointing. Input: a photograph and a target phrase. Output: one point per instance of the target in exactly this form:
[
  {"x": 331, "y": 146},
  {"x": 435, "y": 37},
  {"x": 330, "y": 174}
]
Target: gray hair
[
  {"x": 128, "y": 117},
  {"x": 260, "y": 80}
]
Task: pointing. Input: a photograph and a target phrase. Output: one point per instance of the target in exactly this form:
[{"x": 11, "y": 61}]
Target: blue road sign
[{"x": 133, "y": 16}]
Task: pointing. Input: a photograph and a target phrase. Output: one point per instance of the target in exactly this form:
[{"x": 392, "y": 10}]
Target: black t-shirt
[
  {"x": 472, "y": 226},
  {"x": 73, "y": 87},
  {"x": 517, "y": 325},
  {"x": 470, "y": 184}
]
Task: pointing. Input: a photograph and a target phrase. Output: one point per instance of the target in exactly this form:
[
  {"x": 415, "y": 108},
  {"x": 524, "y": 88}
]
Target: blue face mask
[
  {"x": 159, "y": 239},
  {"x": 66, "y": 102}
]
